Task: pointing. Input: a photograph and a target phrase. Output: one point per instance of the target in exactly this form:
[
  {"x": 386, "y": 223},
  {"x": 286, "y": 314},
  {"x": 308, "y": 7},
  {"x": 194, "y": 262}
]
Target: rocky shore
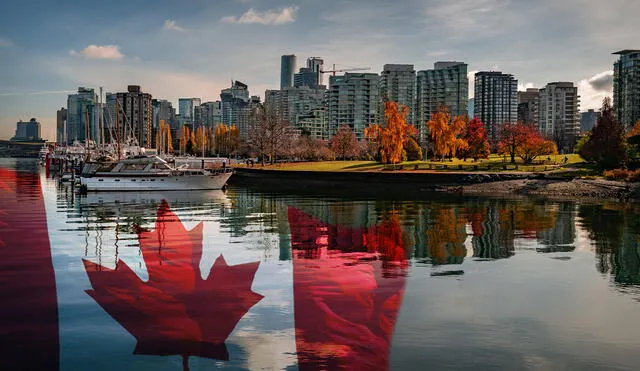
[{"x": 592, "y": 188}]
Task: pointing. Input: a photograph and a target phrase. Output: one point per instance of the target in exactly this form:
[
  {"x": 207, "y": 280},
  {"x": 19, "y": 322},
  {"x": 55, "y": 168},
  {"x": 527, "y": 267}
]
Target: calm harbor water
[{"x": 249, "y": 280}]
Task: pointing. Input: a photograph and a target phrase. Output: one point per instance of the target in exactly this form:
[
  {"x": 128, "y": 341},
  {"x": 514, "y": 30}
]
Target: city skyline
[{"x": 161, "y": 48}]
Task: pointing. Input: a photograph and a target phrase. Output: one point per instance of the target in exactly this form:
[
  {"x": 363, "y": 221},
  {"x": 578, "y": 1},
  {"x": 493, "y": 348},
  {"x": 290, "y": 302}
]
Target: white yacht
[{"x": 150, "y": 173}]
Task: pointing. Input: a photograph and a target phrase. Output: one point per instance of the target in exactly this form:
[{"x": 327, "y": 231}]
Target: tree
[
  {"x": 345, "y": 144},
  {"x": 446, "y": 135},
  {"x": 535, "y": 145},
  {"x": 525, "y": 141},
  {"x": 606, "y": 146},
  {"x": 414, "y": 152},
  {"x": 391, "y": 138},
  {"x": 477, "y": 141},
  {"x": 512, "y": 136},
  {"x": 268, "y": 135},
  {"x": 582, "y": 141}
]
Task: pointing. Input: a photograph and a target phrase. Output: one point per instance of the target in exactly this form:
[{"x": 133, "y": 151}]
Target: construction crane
[{"x": 350, "y": 69}]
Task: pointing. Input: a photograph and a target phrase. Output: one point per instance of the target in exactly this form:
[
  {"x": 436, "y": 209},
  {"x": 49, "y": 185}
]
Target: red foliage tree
[
  {"x": 524, "y": 141},
  {"x": 477, "y": 142}
]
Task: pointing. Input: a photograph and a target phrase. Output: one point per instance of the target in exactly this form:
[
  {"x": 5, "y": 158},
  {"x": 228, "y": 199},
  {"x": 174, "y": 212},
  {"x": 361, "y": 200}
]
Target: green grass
[{"x": 494, "y": 163}]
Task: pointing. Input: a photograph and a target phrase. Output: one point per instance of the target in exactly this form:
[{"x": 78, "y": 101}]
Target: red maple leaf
[
  {"x": 348, "y": 288},
  {"x": 175, "y": 312}
]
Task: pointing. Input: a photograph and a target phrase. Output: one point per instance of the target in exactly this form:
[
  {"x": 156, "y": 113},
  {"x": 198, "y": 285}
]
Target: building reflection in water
[
  {"x": 615, "y": 232},
  {"x": 351, "y": 258}
]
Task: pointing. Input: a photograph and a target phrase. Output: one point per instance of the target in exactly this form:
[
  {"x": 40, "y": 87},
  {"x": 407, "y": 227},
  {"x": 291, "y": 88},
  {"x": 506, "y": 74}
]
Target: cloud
[
  {"x": 40, "y": 92},
  {"x": 594, "y": 89},
  {"x": 523, "y": 86},
  {"x": 99, "y": 52},
  {"x": 464, "y": 13},
  {"x": 170, "y": 24},
  {"x": 4, "y": 42},
  {"x": 267, "y": 17},
  {"x": 602, "y": 81}
]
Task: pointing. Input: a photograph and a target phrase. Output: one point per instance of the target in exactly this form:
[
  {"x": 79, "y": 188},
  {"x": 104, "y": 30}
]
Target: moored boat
[{"x": 150, "y": 173}]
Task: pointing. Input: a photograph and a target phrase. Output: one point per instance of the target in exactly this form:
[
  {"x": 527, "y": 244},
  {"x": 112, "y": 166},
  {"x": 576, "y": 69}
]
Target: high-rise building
[
  {"x": 287, "y": 70},
  {"x": 315, "y": 123},
  {"x": 495, "y": 101},
  {"x": 209, "y": 114},
  {"x": 27, "y": 131},
  {"x": 588, "y": 120},
  {"x": 470, "y": 107},
  {"x": 186, "y": 109},
  {"x": 295, "y": 103},
  {"x": 129, "y": 115},
  {"x": 353, "y": 100},
  {"x": 81, "y": 118},
  {"x": 163, "y": 111},
  {"x": 528, "y": 106},
  {"x": 626, "y": 87},
  {"x": 61, "y": 124},
  {"x": 315, "y": 64},
  {"x": 398, "y": 84},
  {"x": 447, "y": 84},
  {"x": 559, "y": 114},
  {"x": 233, "y": 101}
]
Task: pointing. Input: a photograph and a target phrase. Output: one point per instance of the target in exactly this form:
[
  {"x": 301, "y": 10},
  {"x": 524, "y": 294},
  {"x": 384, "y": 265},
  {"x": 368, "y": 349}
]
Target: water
[{"x": 249, "y": 280}]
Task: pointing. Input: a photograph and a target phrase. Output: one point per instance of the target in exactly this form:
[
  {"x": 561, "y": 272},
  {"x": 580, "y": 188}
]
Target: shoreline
[{"x": 461, "y": 183}]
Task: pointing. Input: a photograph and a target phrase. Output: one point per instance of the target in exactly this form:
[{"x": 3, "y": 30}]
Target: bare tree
[{"x": 268, "y": 135}]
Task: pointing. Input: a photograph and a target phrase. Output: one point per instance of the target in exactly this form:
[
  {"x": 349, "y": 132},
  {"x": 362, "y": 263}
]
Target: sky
[{"x": 194, "y": 48}]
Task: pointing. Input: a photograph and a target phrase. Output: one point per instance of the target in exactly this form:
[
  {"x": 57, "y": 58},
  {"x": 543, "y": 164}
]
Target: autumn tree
[
  {"x": 446, "y": 135},
  {"x": 309, "y": 148},
  {"x": 606, "y": 145},
  {"x": 345, "y": 144},
  {"x": 413, "y": 150},
  {"x": 186, "y": 140},
  {"x": 391, "y": 138},
  {"x": 477, "y": 142},
  {"x": 163, "y": 138},
  {"x": 268, "y": 134},
  {"x": 525, "y": 141}
]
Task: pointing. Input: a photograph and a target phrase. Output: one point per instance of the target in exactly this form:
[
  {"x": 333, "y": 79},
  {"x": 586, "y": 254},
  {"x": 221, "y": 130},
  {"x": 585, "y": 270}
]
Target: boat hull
[{"x": 99, "y": 183}]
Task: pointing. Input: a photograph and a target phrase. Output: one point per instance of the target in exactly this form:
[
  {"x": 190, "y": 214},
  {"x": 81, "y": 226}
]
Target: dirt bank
[{"x": 594, "y": 188}]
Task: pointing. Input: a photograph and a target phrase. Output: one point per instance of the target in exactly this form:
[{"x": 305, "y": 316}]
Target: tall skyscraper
[
  {"x": 495, "y": 101},
  {"x": 186, "y": 109},
  {"x": 559, "y": 114},
  {"x": 398, "y": 84},
  {"x": 81, "y": 115},
  {"x": 61, "y": 124},
  {"x": 287, "y": 70},
  {"x": 130, "y": 115},
  {"x": 233, "y": 101},
  {"x": 315, "y": 64},
  {"x": 626, "y": 87},
  {"x": 446, "y": 85},
  {"x": 209, "y": 114},
  {"x": 353, "y": 100},
  {"x": 528, "y": 106},
  {"x": 588, "y": 120}
]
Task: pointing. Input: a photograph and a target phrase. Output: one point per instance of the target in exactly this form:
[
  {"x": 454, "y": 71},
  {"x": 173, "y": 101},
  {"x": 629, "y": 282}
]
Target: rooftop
[{"x": 627, "y": 51}]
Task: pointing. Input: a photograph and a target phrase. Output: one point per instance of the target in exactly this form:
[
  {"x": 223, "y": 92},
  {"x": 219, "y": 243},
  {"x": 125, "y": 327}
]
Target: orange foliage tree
[
  {"x": 186, "y": 140},
  {"x": 391, "y": 138},
  {"x": 446, "y": 135},
  {"x": 163, "y": 138},
  {"x": 524, "y": 141}
]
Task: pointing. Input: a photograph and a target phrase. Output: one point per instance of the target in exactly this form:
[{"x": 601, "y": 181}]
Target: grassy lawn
[{"x": 493, "y": 163}]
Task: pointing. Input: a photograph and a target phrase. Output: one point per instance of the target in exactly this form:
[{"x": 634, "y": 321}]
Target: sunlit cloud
[
  {"x": 99, "y": 52},
  {"x": 594, "y": 89},
  {"x": 170, "y": 24},
  {"x": 267, "y": 17}
]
